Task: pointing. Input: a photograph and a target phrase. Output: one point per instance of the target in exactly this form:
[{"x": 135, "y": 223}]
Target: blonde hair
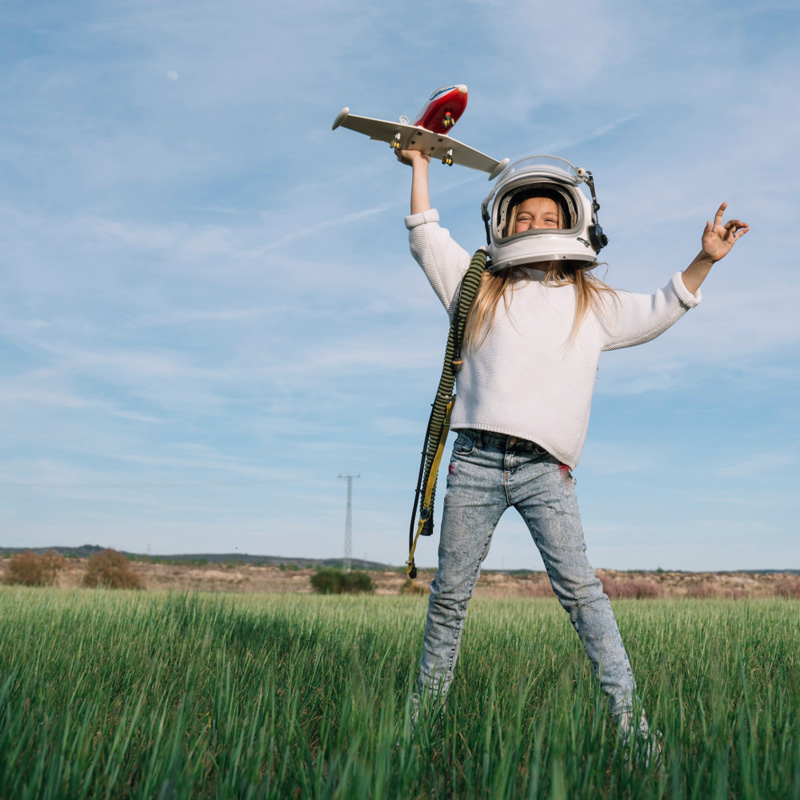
[{"x": 590, "y": 292}]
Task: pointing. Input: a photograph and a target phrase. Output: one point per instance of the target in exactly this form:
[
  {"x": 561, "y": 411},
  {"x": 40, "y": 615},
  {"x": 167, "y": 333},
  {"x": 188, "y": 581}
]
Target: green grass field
[{"x": 109, "y": 695}]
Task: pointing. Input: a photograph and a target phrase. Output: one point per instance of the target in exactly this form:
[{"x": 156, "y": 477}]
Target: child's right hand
[{"x": 409, "y": 157}]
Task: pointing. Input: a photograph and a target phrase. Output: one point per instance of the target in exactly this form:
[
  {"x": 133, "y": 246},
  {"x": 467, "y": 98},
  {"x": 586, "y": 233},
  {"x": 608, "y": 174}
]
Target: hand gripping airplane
[{"x": 428, "y": 133}]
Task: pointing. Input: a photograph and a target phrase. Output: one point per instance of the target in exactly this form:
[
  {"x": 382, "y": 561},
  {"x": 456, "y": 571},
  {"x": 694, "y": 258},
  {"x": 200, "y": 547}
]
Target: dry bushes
[
  {"x": 539, "y": 588},
  {"x": 413, "y": 587},
  {"x": 788, "y": 587},
  {"x": 109, "y": 569},
  {"x": 636, "y": 588},
  {"x": 702, "y": 590},
  {"x": 705, "y": 590},
  {"x": 33, "y": 569}
]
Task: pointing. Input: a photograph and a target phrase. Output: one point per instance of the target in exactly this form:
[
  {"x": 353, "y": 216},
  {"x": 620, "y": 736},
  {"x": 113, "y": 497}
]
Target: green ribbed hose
[{"x": 438, "y": 424}]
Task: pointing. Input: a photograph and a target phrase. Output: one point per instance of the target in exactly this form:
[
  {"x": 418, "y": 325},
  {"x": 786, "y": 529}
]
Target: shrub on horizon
[
  {"x": 109, "y": 569},
  {"x": 33, "y": 569},
  {"x": 333, "y": 581}
]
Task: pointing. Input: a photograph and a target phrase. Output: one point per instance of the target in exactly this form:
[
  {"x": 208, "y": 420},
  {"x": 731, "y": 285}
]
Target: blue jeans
[{"x": 488, "y": 473}]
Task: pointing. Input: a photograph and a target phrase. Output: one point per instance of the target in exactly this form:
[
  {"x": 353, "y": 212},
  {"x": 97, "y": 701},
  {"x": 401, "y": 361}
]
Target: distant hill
[{"x": 87, "y": 550}]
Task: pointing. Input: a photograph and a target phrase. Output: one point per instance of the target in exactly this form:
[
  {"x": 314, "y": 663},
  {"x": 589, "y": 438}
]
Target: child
[{"x": 533, "y": 340}]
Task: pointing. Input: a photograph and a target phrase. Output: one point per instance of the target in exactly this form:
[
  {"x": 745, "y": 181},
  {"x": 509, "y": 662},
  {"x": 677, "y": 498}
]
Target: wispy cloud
[
  {"x": 229, "y": 315},
  {"x": 763, "y": 464},
  {"x": 314, "y": 228}
]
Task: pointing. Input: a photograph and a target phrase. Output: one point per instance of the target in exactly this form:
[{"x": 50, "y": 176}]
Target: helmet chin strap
[
  {"x": 486, "y": 221},
  {"x": 597, "y": 238}
]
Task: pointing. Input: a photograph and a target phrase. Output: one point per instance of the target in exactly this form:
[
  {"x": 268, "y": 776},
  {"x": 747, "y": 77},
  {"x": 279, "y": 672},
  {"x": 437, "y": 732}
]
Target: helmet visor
[{"x": 508, "y": 208}]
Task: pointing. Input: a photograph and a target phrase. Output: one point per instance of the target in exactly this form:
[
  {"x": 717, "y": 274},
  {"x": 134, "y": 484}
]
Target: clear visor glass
[{"x": 567, "y": 200}]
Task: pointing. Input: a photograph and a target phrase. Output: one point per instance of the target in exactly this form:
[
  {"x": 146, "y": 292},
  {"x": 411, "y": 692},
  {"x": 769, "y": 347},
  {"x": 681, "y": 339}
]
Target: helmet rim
[{"x": 578, "y": 242}]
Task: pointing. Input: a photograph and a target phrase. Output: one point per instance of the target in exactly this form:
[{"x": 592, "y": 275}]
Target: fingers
[
  {"x": 738, "y": 228},
  {"x": 741, "y": 232},
  {"x": 412, "y": 157},
  {"x": 735, "y": 227}
]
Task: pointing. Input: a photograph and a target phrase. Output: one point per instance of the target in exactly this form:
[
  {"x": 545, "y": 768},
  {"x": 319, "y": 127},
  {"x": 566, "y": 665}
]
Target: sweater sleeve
[
  {"x": 632, "y": 319},
  {"x": 443, "y": 261}
]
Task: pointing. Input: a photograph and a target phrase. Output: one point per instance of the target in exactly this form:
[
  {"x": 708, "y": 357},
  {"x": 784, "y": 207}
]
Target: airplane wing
[{"x": 411, "y": 137}]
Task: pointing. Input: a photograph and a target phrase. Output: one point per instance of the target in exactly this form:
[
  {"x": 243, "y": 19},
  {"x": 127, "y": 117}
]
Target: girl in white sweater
[{"x": 532, "y": 344}]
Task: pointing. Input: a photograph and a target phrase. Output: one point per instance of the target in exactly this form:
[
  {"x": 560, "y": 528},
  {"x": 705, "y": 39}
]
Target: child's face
[{"x": 536, "y": 212}]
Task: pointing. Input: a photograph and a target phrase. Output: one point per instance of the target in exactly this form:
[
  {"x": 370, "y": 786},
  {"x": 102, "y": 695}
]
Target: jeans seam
[{"x": 470, "y": 594}]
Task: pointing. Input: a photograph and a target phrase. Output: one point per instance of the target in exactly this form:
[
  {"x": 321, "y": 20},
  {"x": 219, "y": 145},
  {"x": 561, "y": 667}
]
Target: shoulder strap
[
  {"x": 466, "y": 296},
  {"x": 439, "y": 422}
]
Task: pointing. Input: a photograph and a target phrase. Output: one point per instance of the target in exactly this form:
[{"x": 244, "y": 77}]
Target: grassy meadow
[{"x": 155, "y": 695}]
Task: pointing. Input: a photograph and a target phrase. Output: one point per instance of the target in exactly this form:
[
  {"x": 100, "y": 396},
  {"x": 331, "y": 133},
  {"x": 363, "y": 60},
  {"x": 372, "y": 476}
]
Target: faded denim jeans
[{"x": 488, "y": 473}]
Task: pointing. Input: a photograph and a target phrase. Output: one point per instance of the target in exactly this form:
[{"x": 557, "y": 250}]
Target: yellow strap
[{"x": 426, "y": 500}]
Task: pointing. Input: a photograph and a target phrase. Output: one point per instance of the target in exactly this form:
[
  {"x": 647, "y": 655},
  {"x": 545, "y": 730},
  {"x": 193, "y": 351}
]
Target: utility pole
[{"x": 348, "y": 525}]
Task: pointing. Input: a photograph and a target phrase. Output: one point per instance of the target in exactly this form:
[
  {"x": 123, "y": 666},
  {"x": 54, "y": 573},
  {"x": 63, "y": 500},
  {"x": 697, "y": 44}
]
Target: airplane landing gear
[{"x": 448, "y": 159}]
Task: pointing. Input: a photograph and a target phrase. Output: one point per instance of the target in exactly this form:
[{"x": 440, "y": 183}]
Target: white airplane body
[{"x": 442, "y": 110}]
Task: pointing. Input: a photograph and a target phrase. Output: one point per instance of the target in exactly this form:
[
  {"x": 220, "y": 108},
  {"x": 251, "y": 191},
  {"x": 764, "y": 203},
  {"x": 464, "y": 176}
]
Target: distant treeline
[{"x": 199, "y": 559}]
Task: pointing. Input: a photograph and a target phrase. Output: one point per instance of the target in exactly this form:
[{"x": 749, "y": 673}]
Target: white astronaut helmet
[{"x": 580, "y": 239}]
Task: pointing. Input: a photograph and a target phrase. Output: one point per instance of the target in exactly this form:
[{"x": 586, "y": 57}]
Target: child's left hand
[{"x": 718, "y": 239}]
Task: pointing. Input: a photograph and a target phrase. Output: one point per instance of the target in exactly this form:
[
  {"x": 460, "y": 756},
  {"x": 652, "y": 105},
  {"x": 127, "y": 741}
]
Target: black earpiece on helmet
[{"x": 597, "y": 238}]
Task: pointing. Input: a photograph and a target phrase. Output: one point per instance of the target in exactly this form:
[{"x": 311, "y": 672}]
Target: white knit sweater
[{"x": 527, "y": 379}]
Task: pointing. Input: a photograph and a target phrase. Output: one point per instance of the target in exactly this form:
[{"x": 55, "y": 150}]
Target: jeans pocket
[{"x": 464, "y": 445}]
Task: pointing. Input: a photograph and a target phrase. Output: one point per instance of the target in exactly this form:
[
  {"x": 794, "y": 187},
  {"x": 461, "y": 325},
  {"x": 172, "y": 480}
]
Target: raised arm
[
  {"x": 419, "y": 162},
  {"x": 443, "y": 260},
  {"x": 718, "y": 239}
]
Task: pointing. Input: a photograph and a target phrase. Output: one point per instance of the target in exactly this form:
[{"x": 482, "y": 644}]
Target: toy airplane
[{"x": 428, "y": 133}]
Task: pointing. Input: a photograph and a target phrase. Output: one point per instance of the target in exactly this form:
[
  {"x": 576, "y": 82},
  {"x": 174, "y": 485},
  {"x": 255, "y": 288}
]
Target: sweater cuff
[
  {"x": 420, "y": 219},
  {"x": 684, "y": 295}
]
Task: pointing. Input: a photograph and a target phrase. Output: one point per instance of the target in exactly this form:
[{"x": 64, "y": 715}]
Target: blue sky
[{"x": 208, "y": 311}]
